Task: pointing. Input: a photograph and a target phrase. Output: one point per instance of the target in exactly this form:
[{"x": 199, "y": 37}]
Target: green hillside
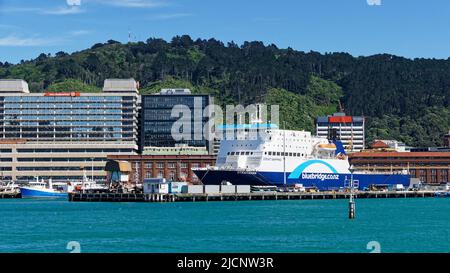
[{"x": 404, "y": 99}]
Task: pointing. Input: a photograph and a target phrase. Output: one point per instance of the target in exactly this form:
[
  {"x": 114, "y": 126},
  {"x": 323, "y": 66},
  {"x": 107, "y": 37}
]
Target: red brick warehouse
[
  {"x": 429, "y": 167},
  {"x": 171, "y": 167}
]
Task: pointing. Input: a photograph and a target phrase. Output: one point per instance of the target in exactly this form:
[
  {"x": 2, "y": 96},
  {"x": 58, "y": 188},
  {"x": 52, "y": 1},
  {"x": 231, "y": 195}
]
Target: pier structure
[
  {"x": 196, "y": 197},
  {"x": 6, "y": 195}
]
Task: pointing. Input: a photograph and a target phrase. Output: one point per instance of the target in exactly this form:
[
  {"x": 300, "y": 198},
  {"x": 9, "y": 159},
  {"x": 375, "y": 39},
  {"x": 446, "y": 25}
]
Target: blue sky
[{"x": 410, "y": 28}]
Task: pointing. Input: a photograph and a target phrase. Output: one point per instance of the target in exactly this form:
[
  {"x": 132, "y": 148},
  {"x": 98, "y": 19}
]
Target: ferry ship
[{"x": 263, "y": 154}]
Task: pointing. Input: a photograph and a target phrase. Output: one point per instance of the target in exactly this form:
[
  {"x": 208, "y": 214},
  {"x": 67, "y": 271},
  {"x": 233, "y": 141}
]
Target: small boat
[
  {"x": 10, "y": 188},
  {"x": 89, "y": 186},
  {"x": 42, "y": 189},
  {"x": 327, "y": 147}
]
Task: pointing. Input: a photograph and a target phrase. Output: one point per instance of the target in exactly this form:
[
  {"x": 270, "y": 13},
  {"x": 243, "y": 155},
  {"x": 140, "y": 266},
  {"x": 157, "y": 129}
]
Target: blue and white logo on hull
[{"x": 320, "y": 167}]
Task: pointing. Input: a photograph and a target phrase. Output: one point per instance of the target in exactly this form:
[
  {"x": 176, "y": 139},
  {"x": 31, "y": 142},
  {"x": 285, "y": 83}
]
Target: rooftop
[
  {"x": 14, "y": 86},
  {"x": 120, "y": 85}
]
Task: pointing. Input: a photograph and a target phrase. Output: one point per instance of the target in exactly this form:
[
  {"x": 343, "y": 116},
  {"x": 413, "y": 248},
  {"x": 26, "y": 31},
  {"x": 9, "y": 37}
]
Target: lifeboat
[{"x": 327, "y": 147}]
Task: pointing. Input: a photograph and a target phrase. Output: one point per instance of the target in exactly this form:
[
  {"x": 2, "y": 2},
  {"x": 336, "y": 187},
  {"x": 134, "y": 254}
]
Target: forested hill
[{"x": 403, "y": 99}]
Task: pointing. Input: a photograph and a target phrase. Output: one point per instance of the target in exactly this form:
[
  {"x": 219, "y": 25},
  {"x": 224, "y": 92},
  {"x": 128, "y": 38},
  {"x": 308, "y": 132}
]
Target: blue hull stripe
[{"x": 323, "y": 181}]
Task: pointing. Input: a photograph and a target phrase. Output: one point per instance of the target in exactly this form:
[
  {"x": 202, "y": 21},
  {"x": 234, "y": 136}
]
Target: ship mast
[{"x": 284, "y": 153}]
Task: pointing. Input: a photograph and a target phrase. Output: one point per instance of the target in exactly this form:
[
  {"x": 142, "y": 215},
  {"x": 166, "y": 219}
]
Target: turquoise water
[{"x": 398, "y": 225}]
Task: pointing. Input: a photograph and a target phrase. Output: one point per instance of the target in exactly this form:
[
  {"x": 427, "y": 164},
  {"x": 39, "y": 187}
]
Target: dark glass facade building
[{"x": 157, "y": 121}]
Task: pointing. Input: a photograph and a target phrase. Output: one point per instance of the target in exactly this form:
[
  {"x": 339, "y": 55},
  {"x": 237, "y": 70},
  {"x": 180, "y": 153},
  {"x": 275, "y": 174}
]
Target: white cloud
[
  {"x": 171, "y": 16},
  {"x": 16, "y": 40},
  {"x": 133, "y": 3},
  {"x": 51, "y": 11},
  {"x": 80, "y": 32},
  {"x": 5, "y": 9},
  {"x": 13, "y": 40},
  {"x": 63, "y": 10},
  {"x": 74, "y": 6}
]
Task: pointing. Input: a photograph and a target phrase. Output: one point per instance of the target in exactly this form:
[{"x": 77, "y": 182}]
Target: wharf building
[
  {"x": 429, "y": 167},
  {"x": 349, "y": 129},
  {"x": 64, "y": 135},
  {"x": 157, "y": 120},
  {"x": 172, "y": 167}
]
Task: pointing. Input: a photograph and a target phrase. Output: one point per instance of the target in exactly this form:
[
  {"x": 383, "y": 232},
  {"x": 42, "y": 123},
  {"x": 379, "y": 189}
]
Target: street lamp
[{"x": 351, "y": 204}]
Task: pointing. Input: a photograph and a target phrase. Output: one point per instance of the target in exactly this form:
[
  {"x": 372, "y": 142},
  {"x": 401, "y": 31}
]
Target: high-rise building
[
  {"x": 162, "y": 113},
  {"x": 62, "y": 135},
  {"x": 349, "y": 129}
]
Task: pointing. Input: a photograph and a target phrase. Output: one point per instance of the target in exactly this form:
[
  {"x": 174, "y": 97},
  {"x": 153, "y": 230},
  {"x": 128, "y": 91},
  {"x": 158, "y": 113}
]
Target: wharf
[
  {"x": 5, "y": 195},
  {"x": 191, "y": 197}
]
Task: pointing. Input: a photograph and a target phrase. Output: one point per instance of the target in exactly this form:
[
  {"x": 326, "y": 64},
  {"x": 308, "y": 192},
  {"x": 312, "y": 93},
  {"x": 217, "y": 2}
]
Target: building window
[
  {"x": 148, "y": 175},
  {"x": 171, "y": 165},
  {"x": 172, "y": 176},
  {"x": 195, "y": 165},
  {"x": 160, "y": 165},
  {"x": 444, "y": 176},
  {"x": 160, "y": 174},
  {"x": 423, "y": 175},
  {"x": 184, "y": 165},
  {"x": 148, "y": 165}
]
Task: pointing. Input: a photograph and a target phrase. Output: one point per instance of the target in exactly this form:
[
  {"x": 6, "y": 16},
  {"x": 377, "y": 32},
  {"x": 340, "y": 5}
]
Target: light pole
[
  {"x": 351, "y": 203},
  {"x": 92, "y": 169}
]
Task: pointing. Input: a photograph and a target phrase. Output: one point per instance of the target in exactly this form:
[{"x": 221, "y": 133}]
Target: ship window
[
  {"x": 290, "y": 154},
  {"x": 278, "y": 153},
  {"x": 247, "y": 153}
]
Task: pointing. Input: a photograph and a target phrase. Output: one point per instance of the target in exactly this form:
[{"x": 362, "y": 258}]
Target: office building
[
  {"x": 61, "y": 135},
  {"x": 349, "y": 129},
  {"x": 161, "y": 113}
]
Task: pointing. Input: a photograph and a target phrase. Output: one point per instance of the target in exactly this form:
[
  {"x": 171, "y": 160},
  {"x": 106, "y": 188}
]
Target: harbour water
[{"x": 397, "y": 225}]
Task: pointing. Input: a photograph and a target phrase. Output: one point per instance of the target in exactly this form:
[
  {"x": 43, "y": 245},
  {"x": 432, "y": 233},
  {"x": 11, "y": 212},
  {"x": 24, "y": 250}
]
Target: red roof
[
  {"x": 379, "y": 145},
  {"x": 400, "y": 154}
]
